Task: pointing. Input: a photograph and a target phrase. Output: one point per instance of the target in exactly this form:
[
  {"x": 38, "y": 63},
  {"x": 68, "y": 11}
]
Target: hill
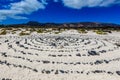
[{"x": 65, "y": 25}]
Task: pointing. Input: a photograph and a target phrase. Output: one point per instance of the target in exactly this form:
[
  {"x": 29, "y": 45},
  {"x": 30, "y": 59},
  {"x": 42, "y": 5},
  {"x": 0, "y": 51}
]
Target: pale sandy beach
[{"x": 65, "y": 56}]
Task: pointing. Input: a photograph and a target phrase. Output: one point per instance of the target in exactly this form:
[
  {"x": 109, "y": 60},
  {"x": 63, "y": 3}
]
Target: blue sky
[{"x": 59, "y": 11}]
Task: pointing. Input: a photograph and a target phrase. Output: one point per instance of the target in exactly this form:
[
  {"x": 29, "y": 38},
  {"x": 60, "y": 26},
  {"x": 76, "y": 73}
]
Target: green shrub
[
  {"x": 40, "y": 31},
  {"x": 82, "y": 31},
  {"x": 100, "y": 32}
]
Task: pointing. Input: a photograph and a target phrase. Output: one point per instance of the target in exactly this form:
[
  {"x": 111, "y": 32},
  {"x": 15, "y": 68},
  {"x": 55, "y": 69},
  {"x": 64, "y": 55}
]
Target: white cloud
[
  {"x": 78, "y": 4},
  {"x": 26, "y": 7},
  {"x": 44, "y": 1},
  {"x": 20, "y": 8}
]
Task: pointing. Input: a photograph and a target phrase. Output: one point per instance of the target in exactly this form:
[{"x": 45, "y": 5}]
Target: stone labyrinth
[{"x": 83, "y": 55}]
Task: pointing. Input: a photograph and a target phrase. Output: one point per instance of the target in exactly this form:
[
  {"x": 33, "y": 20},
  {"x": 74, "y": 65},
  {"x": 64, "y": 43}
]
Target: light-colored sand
[{"x": 65, "y": 56}]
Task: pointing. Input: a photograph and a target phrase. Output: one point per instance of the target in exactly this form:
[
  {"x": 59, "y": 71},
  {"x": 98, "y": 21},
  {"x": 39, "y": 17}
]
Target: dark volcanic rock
[
  {"x": 118, "y": 73},
  {"x": 93, "y": 53}
]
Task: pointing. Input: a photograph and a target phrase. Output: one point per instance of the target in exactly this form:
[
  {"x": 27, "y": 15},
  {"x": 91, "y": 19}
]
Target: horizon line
[{"x": 59, "y": 22}]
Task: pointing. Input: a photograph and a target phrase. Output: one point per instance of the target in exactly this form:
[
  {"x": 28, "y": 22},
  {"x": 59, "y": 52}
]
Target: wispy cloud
[
  {"x": 16, "y": 8},
  {"x": 19, "y": 8},
  {"x": 78, "y": 4}
]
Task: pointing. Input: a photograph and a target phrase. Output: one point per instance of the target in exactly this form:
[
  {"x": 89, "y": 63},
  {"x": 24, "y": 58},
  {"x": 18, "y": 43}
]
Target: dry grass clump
[
  {"x": 101, "y": 32},
  {"x": 82, "y": 31},
  {"x": 32, "y": 29},
  {"x": 3, "y": 32},
  {"x": 23, "y": 33},
  {"x": 10, "y": 28},
  {"x": 13, "y": 32},
  {"x": 57, "y": 32},
  {"x": 40, "y": 31}
]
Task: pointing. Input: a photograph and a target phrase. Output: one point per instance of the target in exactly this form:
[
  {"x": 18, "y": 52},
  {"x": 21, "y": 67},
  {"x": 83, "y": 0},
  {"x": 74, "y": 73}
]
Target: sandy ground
[{"x": 65, "y": 56}]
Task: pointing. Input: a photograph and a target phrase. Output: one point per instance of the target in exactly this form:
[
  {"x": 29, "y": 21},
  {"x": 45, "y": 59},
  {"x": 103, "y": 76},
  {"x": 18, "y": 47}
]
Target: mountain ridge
[
  {"x": 66, "y": 25},
  {"x": 75, "y": 24}
]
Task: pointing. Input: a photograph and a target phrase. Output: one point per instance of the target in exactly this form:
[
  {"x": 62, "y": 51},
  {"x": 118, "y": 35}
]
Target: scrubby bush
[
  {"x": 32, "y": 29},
  {"x": 9, "y": 28},
  {"x": 13, "y": 32},
  {"x": 57, "y": 32},
  {"x": 100, "y": 32},
  {"x": 82, "y": 31},
  {"x": 23, "y": 33},
  {"x": 40, "y": 31},
  {"x": 3, "y": 32}
]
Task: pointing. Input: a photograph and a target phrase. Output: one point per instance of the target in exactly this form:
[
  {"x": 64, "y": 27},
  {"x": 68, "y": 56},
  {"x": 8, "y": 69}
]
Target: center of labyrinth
[{"x": 61, "y": 55}]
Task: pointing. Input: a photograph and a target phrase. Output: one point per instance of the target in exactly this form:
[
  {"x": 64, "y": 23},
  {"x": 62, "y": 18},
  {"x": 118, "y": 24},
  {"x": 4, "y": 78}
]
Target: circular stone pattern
[{"x": 58, "y": 55}]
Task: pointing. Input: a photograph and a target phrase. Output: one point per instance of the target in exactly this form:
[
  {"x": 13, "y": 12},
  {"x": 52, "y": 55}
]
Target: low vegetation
[
  {"x": 28, "y": 31},
  {"x": 3, "y": 32},
  {"x": 32, "y": 29},
  {"x": 23, "y": 33},
  {"x": 82, "y": 31},
  {"x": 13, "y": 32},
  {"x": 40, "y": 31},
  {"x": 101, "y": 32},
  {"x": 57, "y": 32}
]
